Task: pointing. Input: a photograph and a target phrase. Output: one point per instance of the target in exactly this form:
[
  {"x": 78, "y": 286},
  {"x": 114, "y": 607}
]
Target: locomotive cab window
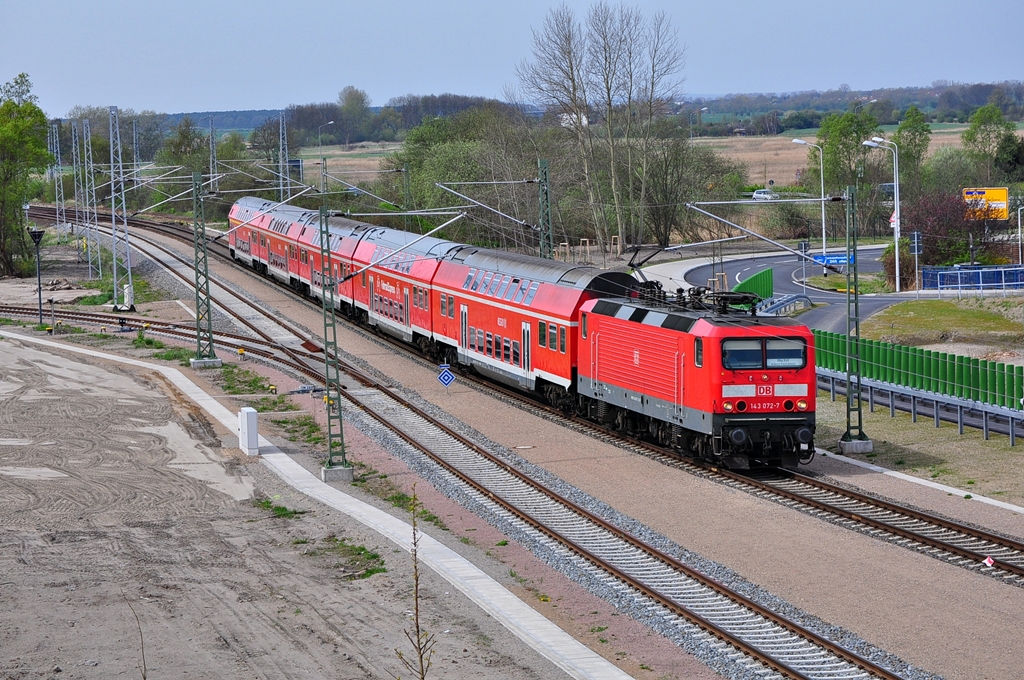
[
  {"x": 583, "y": 325},
  {"x": 738, "y": 355},
  {"x": 786, "y": 353},
  {"x": 698, "y": 352}
]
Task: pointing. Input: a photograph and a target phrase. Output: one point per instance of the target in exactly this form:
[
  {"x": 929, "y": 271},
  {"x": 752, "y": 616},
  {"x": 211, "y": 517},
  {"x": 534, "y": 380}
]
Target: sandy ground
[
  {"x": 941, "y": 618},
  {"x": 117, "y": 501}
]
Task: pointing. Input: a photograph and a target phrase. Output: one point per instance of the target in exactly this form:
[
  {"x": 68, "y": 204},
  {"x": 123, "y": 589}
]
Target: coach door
[
  {"x": 464, "y": 329},
  {"x": 371, "y": 301},
  {"x": 527, "y": 366}
]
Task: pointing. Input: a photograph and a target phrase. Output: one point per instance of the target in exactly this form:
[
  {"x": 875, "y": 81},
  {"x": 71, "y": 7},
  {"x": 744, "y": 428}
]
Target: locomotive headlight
[
  {"x": 802, "y": 404},
  {"x": 727, "y": 406}
]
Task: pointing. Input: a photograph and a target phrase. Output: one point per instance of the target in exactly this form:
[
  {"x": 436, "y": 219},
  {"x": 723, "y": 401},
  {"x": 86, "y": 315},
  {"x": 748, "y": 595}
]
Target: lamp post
[
  {"x": 862, "y": 105},
  {"x": 703, "y": 108},
  {"x": 1020, "y": 251},
  {"x": 880, "y": 143},
  {"x": 822, "y": 173},
  {"x": 323, "y": 169},
  {"x": 37, "y": 236}
]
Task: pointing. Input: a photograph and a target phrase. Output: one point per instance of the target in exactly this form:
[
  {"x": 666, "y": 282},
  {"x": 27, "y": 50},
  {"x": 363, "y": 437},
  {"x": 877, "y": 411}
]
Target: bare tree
[
  {"x": 620, "y": 69},
  {"x": 557, "y": 79}
]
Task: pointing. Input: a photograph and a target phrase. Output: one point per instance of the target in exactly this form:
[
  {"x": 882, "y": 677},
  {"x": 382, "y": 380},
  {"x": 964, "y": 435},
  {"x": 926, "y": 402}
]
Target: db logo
[
  {"x": 764, "y": 390},
  {"x": 636, "y": 357}
]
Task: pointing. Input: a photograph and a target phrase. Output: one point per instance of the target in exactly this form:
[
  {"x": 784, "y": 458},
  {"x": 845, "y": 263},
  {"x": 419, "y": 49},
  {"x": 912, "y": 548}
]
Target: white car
[{"x": 765, "y": 195}]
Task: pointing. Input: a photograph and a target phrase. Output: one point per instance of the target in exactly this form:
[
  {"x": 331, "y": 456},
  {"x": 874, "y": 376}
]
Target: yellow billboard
[{"x": 992, "y": 203}]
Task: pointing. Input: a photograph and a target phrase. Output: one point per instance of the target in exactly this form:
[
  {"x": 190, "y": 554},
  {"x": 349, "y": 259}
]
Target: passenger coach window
[
  {"x": 742, "y": 354},
  {"x": 561, "y": 339},
  {"x": 444, "y": 305},
  {"x": 786, "y": 353},
  {"x": 508, "y": 349},
  {"x": 504, "y": 285},
  {"x": 542, "y": 333},
  {"x": 451, "y": 307},
  {"x": 552, "y": 336},
  {"x": 698, "y": 352}
]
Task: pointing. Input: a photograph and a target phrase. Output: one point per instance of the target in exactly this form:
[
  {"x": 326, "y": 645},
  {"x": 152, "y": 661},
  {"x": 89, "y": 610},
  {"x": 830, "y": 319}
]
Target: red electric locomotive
[
  {"x": 691, "y": 371},
  {"x": 697, "y": 373}
]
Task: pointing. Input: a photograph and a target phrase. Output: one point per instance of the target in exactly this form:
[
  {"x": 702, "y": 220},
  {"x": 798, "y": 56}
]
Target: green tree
[
  {"x": 912, "y": 136},
  {"x": 984, "y": 134},
  {"x": 265, "y": 139},
  {"x": 356, "y": 115},
  {"x": 678, "y": 173},
  {"x": 23, "y": 128},
  {"x": 841, "y": 138}
]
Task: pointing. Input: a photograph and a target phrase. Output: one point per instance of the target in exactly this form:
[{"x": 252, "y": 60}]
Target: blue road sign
[
  {"x": 445, "y": 377},
  {"x": 833, "y": 259}
]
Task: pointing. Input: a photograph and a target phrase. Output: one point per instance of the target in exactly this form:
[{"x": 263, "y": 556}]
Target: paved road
[{"x": 788, "y": 273}]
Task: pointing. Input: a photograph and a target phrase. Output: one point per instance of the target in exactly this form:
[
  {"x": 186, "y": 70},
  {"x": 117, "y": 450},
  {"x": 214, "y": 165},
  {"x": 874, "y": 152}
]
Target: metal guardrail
[
  {"x": 784, "y": 304},
  {"x": 943, "y": 407}
]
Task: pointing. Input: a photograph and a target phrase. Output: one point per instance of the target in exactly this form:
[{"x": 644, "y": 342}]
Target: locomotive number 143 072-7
[{"x": 764, "y": 406}]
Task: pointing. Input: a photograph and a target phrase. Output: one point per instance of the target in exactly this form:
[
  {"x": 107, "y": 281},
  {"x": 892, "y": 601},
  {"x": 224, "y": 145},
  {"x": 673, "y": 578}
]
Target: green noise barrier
[
  {"x": 989, "y": 382},
  {"x": 760, "y": 284}
]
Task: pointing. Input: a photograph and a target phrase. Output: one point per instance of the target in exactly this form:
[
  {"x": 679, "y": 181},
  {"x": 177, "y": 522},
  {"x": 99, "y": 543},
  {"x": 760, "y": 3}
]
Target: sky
[{"x": 216, "y": 55}]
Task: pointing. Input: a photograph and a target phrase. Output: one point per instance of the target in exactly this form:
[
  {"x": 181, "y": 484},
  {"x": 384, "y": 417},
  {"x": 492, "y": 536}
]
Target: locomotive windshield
[
  {"x": 738, "y": 355},
  {"x": 747, "y": 355},
  {"x": 786, "y": 353}
]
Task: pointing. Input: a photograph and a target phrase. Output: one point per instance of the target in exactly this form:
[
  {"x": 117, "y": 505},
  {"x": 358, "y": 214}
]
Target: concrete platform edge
[{"x": 547, "y": 639}]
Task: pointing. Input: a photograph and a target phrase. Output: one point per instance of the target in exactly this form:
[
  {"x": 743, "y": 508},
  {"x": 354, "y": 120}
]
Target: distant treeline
[
  {"x": 224, "y": 120},
  {"x": 942, "y": 102}
]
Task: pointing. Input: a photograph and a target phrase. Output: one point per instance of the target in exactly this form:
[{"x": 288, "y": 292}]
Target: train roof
[
  {"x": 608, "y": 282},
  {"x": 395, "y": 239},
  {"x": 682, "y": 320}
]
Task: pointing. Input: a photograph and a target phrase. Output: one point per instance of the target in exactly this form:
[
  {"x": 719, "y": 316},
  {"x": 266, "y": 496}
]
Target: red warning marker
[{"x": 988, "y": 561}]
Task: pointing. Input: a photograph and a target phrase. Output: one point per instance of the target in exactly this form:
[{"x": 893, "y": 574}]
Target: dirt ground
[{"x": 119, "y": 500}]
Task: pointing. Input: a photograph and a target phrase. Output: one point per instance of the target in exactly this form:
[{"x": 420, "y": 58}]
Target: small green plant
[
  {"x": 9, "y": 322},
  {"x": 466, "y": 540},
  {"x": 179, "y": 354},
  {"x": 276, "y": 403},
  {"x": 300, "y": 541},
  {"x": 357, "y": 561},
  {"x": 302, "y": 429},
  {"x": 968, "y": 496},
  {"x": 142, "y": 341},
  {"x": 297, "y": 611},
  {"x": 278, "y": 510},
  {"x": 598, "y": 629},
  {"x": 645, "y": 667},
  {"x": 237, "y": 380},
  {"x": 970, "y": 481},
  {"x": 602, "y": 640},
  {"x": 899, "y": 461},
  {"x": 502, "y": 542}
]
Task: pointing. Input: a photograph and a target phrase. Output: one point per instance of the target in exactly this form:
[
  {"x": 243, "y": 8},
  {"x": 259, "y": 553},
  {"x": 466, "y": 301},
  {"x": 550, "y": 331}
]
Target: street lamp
[
  {"x": 37, "y": 236},
  {"x": 704, "y": 108},
  {"x": 880, "y": 143},
  {"x": 323, "y": 170},
  {"x": 863, "y": 104},
  {"x": 822, "y": 173},
  {"x": 1020, "y": 251}
]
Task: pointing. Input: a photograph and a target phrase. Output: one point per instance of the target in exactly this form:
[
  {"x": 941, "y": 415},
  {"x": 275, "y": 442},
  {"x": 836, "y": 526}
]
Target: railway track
[{"x": 681, "y": 597}]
